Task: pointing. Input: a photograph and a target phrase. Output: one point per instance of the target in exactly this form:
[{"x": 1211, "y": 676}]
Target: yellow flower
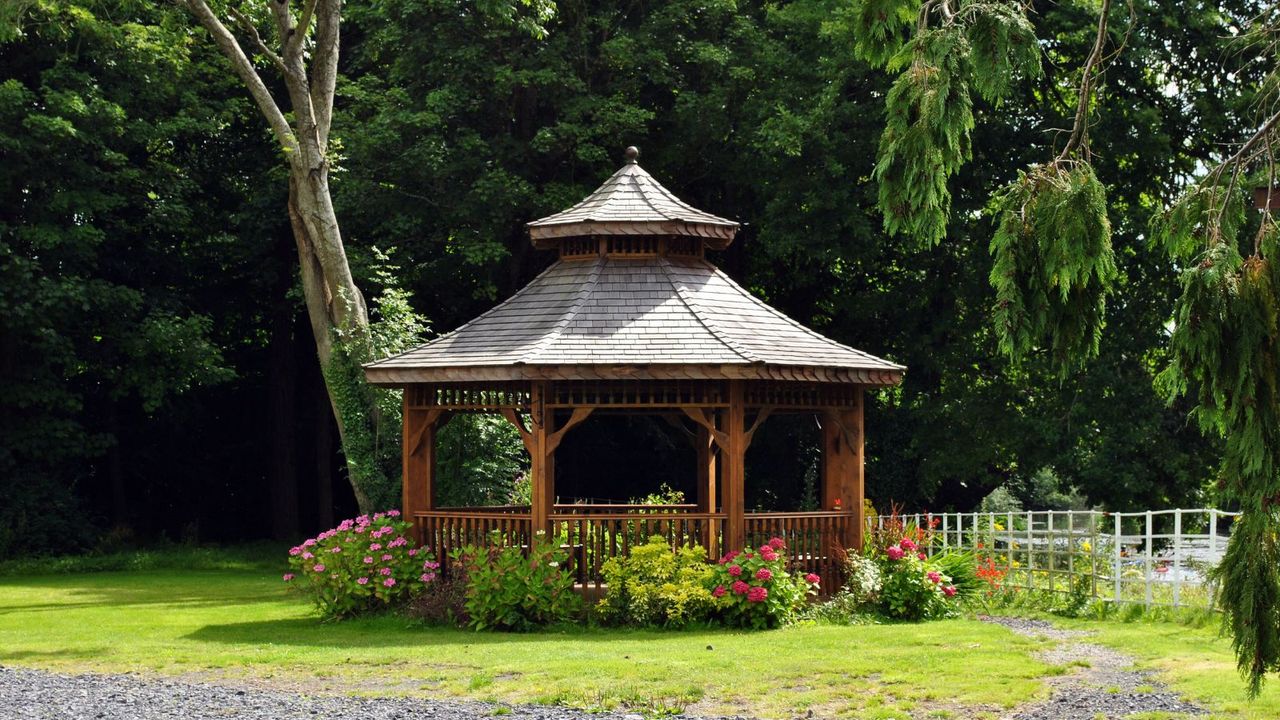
[
  {"x": 999, "y": 526},
  {"x": 1016, "y": 564},
  {"x": 1085, "y": 546}
]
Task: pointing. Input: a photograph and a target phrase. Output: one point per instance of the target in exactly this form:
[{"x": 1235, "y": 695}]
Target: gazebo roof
[
  {"x": 647, "y": 307},
  {"x": 631, "y": 202},
  {"x": 643, "y": 318}
]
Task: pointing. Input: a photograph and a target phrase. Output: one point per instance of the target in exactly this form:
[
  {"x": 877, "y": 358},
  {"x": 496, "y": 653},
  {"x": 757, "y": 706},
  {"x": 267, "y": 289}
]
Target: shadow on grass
[
  {"x": 391, "y": 631},
  {"x": 37, "y": 656}
]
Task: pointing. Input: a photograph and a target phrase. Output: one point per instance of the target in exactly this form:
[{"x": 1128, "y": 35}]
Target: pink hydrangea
[
  {"x": 309, "y": 542},
  {"x": 388, "y": 582},
  {"x": 393, "y": 513},
  {"x": 413, "y": 551},
  {"x": 386, "y": 558},
  {"x": 362, "y": 581},
  {"x": 728, "y": 557},
  {"x": 933, "y": 576},
  {"x": 748, "y": 555},
  {"x": 757, "y": 594},
  {"x": 920, "y": 555},
  {"x": 319, "y": 567},
  {"x": 766, "y": 548},
  {"x": 307, "y": 556},
  {"x": 740, "y": 587},
  {"x": 335, "y": 549},
  {"x": 949, "y": 590},
  {"x": 907, "y": 544},
  {"x": 812, "y": 579},
  {"x": 735, "y": 570},
  {"x": 764, "y": 574},
  {"x": 427, "y": 577},
  {"x": 430, "y": 565},
  {"x": 769, "y": 556},
  {"x": 777, "y": 543},
  {"x": 375, "y": 547},
  {"x": 894, "y": 552},
  {"x": 295, "y": 551},
  {"x": 368, "y": 559},
  {"x": 288, "y": 577},
  {"x": 385, "y": 571},
  {"x": 719, "y": 591}
]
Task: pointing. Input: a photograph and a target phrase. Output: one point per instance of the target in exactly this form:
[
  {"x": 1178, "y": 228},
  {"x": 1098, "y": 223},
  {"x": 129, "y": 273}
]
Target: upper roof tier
[
  {"x": 633, "y": 318},
  {"x": 631, "y": 202}
]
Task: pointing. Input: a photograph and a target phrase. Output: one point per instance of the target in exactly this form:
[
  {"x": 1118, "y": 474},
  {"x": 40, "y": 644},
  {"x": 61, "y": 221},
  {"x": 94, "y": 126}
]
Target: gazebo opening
[{"x": 630, "y": 327}]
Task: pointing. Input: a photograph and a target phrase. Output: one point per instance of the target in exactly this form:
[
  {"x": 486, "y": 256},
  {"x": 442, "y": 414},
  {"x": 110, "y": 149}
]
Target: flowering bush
[
  {"x": 862, "y": 579},
  {"x": 753, "y": 589},
  {"x": 655, "y": 586},
  {"x": 912, "y": 588},
  {"x": 509, "y": 590},
  {"x": 363, "y": 564}
]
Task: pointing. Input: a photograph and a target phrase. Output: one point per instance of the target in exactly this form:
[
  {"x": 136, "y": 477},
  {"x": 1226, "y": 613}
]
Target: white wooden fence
[{"x": 1156, "y": 557}]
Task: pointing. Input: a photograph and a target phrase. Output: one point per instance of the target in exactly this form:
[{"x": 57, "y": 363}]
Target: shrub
[
  {"x": 753, "y": 589},
  {"x": 656, "y": 586},
  {"x": 363, "y": 564},
  {"x": 843, "y": 608},
  {"x": 509, "y": 590},
  {"x": 445, "y": 602},
  {"x": 962, "y": 569},
  {"x": 862, "y": 579},
  {"x": 912, "y": 588}
]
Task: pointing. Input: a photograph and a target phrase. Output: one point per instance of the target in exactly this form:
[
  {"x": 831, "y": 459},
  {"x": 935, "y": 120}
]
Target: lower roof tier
[{"x": 633, "y": 318}]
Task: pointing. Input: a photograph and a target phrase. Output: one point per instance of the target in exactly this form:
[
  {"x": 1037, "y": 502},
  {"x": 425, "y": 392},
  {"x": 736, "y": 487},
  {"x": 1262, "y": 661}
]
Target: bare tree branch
[
  {"x": 243, "y": 67},
  {"x": 304, "y": 23},
  {"x": 324, "y": 66}
]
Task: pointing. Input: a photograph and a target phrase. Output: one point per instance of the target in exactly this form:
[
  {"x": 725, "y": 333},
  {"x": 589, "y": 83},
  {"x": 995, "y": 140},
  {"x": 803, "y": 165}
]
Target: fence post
[
  {"x": 1071, "y": 550},
  {"x": 992, "y": 540},
  {"x": 1093, "y": 554},
  {"x": 1031, "y": 578},
  {"x": 1177, "y": 556},
  {"x": 1116, "y": 567},
  {"x": 1049, "y": 553},
  {"x": 1213, "y": 551},
  {"x": 946, "y": 541},
  {"x": 1147, "y": 560}
]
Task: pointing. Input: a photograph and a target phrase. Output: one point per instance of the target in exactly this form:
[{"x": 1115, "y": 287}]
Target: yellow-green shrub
[{"x": 656, "y": 586}]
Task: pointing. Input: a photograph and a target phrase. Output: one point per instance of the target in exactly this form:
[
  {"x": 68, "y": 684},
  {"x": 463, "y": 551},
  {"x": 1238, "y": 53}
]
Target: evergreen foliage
[{"x": 1054, "y": 264}]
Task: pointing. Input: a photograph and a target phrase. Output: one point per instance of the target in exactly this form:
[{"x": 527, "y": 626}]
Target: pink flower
[
  {"x": 295, "y": 551},
  {"x": 777, "y": 543},
  {"x": 318, "y": 568},
  {"x": 430, "y": 565},
  {"x": 413, "y": 551},
  {"x": 427, "y": 577},
  {"x": 812, "y": 579},
  {"x": 907, "y": 544},
  {"x": 362, "y": 581},
  {"x": 949, "y": 590},
  {"x": 385, "y": 571},
  {"x": 288, "y": 577},
  {"x": 309, "y": 542},
  {"x": 764, "y": 574},
  {"x": 894, "y": 552},
  {"x": 735, "y": 570},
  {"x": 379, "y": 516},
  {"x": 335, "y": 549},
  {"x": 748, "y": 555},
  {"x": 920, "y": 555},
  {"x": 386, "y": 558},
  {"x": 375, "y": 547},
  {"x": 933, "y": 576},
  {"x": 368, "y": 560},
  {"x": 728, "y": 557},
  {"x": 719, "y": 591},
  {"x": 393, "y": 513},
  {"x": 307, "y": 556},
  {"x": 740, "y": 587},
  {"x": 766, "y": 548},
  {"x": 757, "y": 594},
  {"x": 388, "y": 582},
  {"x": 769, "y": 556}
]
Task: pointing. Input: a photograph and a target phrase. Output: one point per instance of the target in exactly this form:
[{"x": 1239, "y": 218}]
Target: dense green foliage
[
  {"x": 451, "y": 139},
  {"x": 515, "y": 589},
  {"x": 652, "y": 586}
]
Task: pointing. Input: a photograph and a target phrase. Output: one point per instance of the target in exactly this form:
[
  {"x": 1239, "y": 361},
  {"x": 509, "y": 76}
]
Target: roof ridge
[
  {"x": 584, "y": 292},
  {"x": 702, "y": 319},
  {"x": 470, "y": 322},
  {"x": 795, "y": 323},
  {"x": 635, "y": 180}
]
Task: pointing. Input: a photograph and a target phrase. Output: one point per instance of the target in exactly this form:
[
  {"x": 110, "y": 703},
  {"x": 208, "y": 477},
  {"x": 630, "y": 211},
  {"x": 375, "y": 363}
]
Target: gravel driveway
[{"x": 39, "y": 695}]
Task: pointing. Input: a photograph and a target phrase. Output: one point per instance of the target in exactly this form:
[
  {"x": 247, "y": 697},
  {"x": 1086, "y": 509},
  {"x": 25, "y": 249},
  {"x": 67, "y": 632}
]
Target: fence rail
[{"x": 1155, "y": 557}]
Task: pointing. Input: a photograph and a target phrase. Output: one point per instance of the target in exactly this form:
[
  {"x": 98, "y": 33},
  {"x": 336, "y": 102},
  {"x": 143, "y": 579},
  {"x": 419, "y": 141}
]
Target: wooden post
[
  {"x": 539, "y": 467},
  {"x": 706, "y": 488},
  {"x": 418, "y": 463},
  {"x": 735, "y": 469},
  {"x": 842, "y": 469}
]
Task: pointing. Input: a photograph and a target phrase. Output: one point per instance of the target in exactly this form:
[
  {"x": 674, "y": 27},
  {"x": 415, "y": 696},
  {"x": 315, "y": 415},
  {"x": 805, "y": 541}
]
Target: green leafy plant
[
  {"x": 363, "y": 564},
  {"x": 912, "y": 587},
  {"x": 753, "y": 589},
  {"x": 657, "y": 586},
  {"x": 511, "y": 589}
]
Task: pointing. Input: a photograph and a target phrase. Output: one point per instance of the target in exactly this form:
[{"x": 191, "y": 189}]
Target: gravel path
[
  {"x": 1102, "y": 683},
  {"x": 39, "y": 695}
]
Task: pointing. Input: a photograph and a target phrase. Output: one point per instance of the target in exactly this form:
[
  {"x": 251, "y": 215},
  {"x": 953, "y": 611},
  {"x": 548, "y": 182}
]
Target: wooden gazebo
[{"x": 633, "y": 318}]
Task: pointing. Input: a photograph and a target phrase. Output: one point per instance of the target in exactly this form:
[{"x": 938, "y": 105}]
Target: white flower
[{"x": 553, "y": 563}]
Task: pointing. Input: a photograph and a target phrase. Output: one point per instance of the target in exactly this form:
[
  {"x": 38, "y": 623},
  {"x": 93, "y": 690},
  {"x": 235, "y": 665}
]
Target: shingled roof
[
  {"x": 631, "y": 202},
  {"x": 659, "y": 312},
  {"x": 610, "y": 317}
]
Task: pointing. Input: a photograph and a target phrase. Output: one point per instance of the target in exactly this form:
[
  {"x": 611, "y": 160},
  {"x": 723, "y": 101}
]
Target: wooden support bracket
[
  {"x": 433, "y": 416},
  {"x": 700, "y": 416},
  {"x": 755, "y": 425},
  {"x": 526, "y": 436},
  {"x": 579, "y": 414},
  {"x": 849, "y": 434}
]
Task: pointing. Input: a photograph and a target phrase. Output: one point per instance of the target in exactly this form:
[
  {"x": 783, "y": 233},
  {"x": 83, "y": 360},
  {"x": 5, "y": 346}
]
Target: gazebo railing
[
  {"x": 592, "y": 540},
  {"x": 443, "y": 531},
  {"x": 814, "y": 539}
]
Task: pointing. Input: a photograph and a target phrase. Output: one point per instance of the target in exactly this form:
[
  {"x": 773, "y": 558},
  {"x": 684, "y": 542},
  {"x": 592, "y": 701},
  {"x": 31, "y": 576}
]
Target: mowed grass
[
  {"x": 240, "y": 626},
  {"x": 1193, "y": 658}
]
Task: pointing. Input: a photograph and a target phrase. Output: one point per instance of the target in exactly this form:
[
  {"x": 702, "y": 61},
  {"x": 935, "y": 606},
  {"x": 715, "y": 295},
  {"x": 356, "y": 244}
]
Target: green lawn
[{"x": 238, "y": 624}]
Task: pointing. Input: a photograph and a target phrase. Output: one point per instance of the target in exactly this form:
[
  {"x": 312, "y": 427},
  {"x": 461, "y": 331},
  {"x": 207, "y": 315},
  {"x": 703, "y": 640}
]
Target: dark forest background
[{"x": 157, "y": 378}]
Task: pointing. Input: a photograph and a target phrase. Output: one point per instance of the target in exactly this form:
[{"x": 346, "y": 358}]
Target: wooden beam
[
  {"x": 705, "y": 496},
  {"x": 842, "y": 468},
  {"x": 733, "y": 452},
  {"x": 418, "y": 460},
  {"x": 539, "y": 468},
  {"x": 706, "y": 421},
  {"x": 579, "y": 414}
]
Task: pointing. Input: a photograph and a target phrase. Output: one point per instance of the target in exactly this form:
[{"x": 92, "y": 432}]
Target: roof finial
[{"x": 632, "y": 153}]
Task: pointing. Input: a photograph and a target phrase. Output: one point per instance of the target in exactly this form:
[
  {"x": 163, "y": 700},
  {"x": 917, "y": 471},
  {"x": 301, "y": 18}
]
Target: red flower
[
  {"x": 719, "y": 591},
  {"x": 949, "y": 590},
  {"x": 812, "y": 579},
  {"x": 769, "y": 556},
  {"x": 907, "y": 544},
  {"x": 764, "y": 574},
  {"x": 757, "y": 594},
  {"x": 740, "y": 587},
  {"x": 776, "y": 543},
  {"x": 735, "y": 570}
]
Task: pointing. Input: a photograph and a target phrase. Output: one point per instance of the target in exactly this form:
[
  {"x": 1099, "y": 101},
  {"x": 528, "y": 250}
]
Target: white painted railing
[{"x": 1156, "y": 557}]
